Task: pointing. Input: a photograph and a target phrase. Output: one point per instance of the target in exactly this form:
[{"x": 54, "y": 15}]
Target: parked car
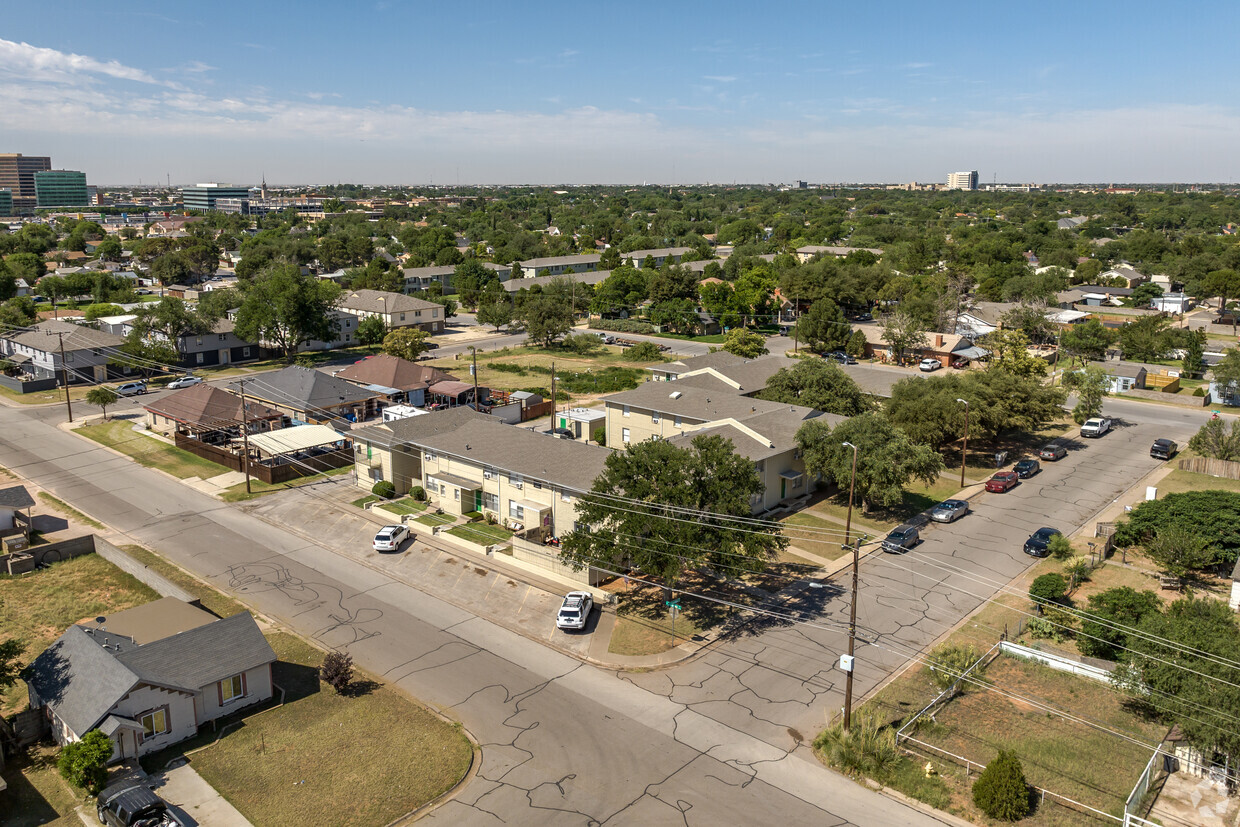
[
  {"x": 865, "y": 317},
  {"x": 928, "y": 365},
  {"x": 1052, "y": 453},
  {"x": 841, "y": 357},
  {"x": 131, "y": 389},
  {"x": 184, "y": 382},
  {"x": 1163, "y": 449},
  {"x": 560, "y": 433},
  {"x": 1002, "y": 481},
  {"x": 390, "y": 537},
  {"x": 1095, "y": 427},
  {"x": 1026, "y": 468},
  {"x": 902, "y": 538},
  {"x": 575, "y": 611},
  {"x": 949, "y": 511},
  {"x": 960, "y": 364},
  {"x": 1038, "y": 544},
  {"x": 129, "y": 804}
]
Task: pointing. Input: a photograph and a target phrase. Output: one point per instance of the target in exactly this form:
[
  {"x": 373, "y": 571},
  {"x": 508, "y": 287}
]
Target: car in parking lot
[
  {"x": 1038, "y": 544},
  {"x": 1002, "y": 481},
  {"x": 1026, "y": 468},
  {"x": 1052, "y": 453},
  {"x": 560, "y": 433},
  {"x": 184, "y": 382},
  {"x": 928, "y": 365},
  {"x": 575, "y": 611},
  {"x": 390, "y": 537},
  {"x": 841, "y": 357},
  {"x": 131, "y": 389},
  {"x": 1163, "y": 449},
  {"x": 902, "y": 538},
  {"x": 949, "y": 511},
  {"x": 1095, "y": 427}
]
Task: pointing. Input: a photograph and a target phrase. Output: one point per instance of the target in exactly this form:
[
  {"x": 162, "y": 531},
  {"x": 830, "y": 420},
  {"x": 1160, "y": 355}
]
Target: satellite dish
[{"x": 100, "y": 620}]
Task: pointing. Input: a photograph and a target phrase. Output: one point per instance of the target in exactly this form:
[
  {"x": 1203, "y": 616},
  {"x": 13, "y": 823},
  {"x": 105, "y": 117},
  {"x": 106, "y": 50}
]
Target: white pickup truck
[{"x": 1095, "y": 427}]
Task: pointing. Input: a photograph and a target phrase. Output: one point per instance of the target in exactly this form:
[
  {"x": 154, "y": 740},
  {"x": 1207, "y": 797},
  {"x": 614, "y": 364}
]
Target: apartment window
[
  {"x": 200, "y": 358},
  {"x": 231, "y": 689},
  {"x": 796, "y": 483},
  {"x": 759, "y": 467},
  {"x": 626, "y": 410},
  {"x": 537, "y": 485},
  {"x": 515, "y": 510},
  {"x": 654, "y": 417},
  {"x": 490, "y": 501},
  {"x": 516, "y": 481},
  {"x": 417, "y": 314},
  {"x": 624, "y": 435},
  {"x": 198, "y": 340},
  {"x": 223, "y": 336},
  {"x": 456, "y": 494},
  {"x": 402, "y": 317},
  {"x": 677, "y": 420},
  {"x": 69, "y": 356},
  {"x": 154, "y": 722}
]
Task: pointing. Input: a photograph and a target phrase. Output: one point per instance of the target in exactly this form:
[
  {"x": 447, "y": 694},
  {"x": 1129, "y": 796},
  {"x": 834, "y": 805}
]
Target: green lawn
[
  {"x": 39, "y": 606},
  {"x": 258, "y": 488},
  {"x": 76, "y": 395},
  {"x": 366, "y": 758},
  {"x": 405, "y": 506},
  {"x": 481, "y": 533},
  {"x": 799, "y": 529},
  {"x": 36, "y": 793},
  {"x": 1179, "y": 481},
  {"x": 434, "y": 519},
  {"x": 917, "y": 498},
  {"x": 151, "y": 452}
]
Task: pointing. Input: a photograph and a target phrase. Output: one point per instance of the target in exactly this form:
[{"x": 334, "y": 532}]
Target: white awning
[{"x": 289, "y": 440}]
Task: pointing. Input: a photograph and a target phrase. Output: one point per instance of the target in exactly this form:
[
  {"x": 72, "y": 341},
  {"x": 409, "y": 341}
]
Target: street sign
[{"x": 672, "y": 604}]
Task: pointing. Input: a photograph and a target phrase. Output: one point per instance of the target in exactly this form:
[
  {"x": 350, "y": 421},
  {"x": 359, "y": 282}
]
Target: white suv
[
  {"x": 575, "y": 611},
  {"x": 390, "y": 537}
]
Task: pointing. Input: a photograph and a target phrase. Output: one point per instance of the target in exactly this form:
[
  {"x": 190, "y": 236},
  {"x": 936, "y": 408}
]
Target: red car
[{"x": 1002, "y": 481}]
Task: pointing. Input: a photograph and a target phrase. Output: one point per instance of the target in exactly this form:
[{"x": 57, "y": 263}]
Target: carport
[{"x": 296, "y": 443}]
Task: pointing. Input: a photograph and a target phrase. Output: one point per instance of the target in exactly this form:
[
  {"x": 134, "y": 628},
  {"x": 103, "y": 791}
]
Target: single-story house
[
  {"x": 150, "y": 676},
  {"x": 1172, "y": 303},
  {"x": 451, "y": 393},
  {"x": 87, "y": 351},
  {"x": 209, "y": 413},
  {"x": 1131, "y": 276},
  {"x": 308, "y": 395},
  {"x": 945, "y": 347},
  {"x": 395, "y": 309},
  {"x": 583, "y": 422},
  {"x": 1123, "y": 376},
  {"x": 402, "y": 380},
  {"x": 1093, "y": 295}
]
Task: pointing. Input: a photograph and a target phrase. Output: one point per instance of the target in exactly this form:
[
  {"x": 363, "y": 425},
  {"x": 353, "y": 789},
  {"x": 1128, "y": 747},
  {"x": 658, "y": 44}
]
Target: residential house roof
[
  {"x": 207, "y": 406},
  {"x": 749, "y": 375},
  {"x": 1130, "y": 370},
  {"x": 305, "y": 389},
  {"x": 818, "y": 249},
  {"x": 989, "y": 312},
  {"x": 777, "y": 429},
  {"x": 155, "y": 620},
  {"x": 76, "y": 337},
  {"x": 415, "y": 429},
  {"x": 718, "y": 359},
  {"x": 392, "y": 372},
  {"x": 561, "y": 261},
  {"x": 702, "y": 398},
  {"x": 937, "y": 342},
  {"x": 447, "y": 270},
  {"x": 1071, "y": 223},
  {"x": 383, "y": 301},
  {"x": 15, "y": 497},
  {"x": 596, "y": 277},
  {"x": 638, "y": 256}
]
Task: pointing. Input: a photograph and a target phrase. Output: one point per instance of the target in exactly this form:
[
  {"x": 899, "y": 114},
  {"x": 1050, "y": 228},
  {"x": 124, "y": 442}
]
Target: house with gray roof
[
  {"x": 1123, "y": 376},
  {"x": 559, "y": 265},
  {"x": 37, "y": 351},
  {"x": 308, "y": 395},
  {"x": 395, "y": 309},
  {"x": 150, "y": 676},
  {"x": 421, "y": 278}
]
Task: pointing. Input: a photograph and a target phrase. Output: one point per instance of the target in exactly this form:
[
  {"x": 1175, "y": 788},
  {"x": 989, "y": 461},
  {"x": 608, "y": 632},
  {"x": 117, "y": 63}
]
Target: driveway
[{"x": 194, "y": 800}]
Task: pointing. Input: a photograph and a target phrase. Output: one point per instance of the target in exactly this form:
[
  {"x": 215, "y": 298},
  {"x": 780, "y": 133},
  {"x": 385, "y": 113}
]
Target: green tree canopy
[
  {"x": 1092, "y": 384},
  {"x": 1217, "y": 440},
  {"x": 545, "y": 317},
  {"x": 666, "y": 523},
  {"x": 371, "y": 331},
  {"x": 823, "y": 328},
  {"x": 1087, "y": 341},
  {"x": 1211, "y": 514},
  {"x": 887, "y": 460},
  {"x": 1103, "y": 633},
  {"x": 745, "y": 343},
  {"x": 819, "y": 384},
  {"x": 286, "y": 309},
  {"x": 406, "y": 343}
]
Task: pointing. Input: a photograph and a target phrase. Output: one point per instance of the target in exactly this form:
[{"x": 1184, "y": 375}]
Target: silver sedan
[{"x": 949, "y": 511}]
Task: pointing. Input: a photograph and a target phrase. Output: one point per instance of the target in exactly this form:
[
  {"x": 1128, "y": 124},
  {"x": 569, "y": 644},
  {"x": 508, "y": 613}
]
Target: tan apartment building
[{"x": 395, "y": 309}]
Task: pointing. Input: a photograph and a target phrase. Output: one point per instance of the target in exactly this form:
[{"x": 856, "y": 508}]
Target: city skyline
[{"x": 494, "y": 94}]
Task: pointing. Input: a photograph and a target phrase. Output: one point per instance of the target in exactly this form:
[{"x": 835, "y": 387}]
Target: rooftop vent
[{"x": 676, "y": 395}]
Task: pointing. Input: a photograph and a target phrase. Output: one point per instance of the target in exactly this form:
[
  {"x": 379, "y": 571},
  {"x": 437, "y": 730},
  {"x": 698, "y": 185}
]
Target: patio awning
[
  {"x": 532, "y": 506},
  {"x": 971, "y": 353},
  {"x": 791, "y": 474},
  {"x": 290, "y": 440},
  {"x": 383, "y": 389},
  {"x": 453, "y": 479}
]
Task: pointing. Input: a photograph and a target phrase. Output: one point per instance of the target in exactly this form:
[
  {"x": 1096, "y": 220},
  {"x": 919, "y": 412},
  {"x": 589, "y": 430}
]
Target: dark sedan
[
  {"x": 1038, "y": 545},
  {"x": 841, "y": 357},
  {"x": 1026, "y": 468}
]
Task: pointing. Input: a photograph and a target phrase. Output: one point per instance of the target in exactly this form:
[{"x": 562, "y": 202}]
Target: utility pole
[
  {"x": 852, "y": 635},
  {"x": 64, "y": 370},
  {"x": 245, "y": 437},
  {"x": 553, "y": 395},
  {"x": 964, "y": 451}
]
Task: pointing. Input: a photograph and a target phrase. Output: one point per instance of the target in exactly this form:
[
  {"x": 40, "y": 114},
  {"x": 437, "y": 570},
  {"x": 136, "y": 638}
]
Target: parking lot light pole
[{"x": 964, "y": 451}]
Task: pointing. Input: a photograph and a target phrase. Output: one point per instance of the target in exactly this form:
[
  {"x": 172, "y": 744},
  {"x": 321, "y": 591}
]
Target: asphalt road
[{"x": 563, "y": 742}]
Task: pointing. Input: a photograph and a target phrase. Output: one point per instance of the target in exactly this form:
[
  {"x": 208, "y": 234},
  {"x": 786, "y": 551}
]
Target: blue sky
[{"x": 576, "y": 93}]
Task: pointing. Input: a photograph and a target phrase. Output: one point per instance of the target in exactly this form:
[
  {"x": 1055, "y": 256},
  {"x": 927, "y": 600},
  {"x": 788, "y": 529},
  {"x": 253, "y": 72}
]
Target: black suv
[
  {"x": 129, "y": 804},
  {"x": 1163, "y": 449}
]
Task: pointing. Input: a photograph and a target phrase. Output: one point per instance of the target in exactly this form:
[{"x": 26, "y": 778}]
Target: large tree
[
  {"x": 1217, "y": 441},
  {"x": 903, "y": 331},
  {"x": 815, "y": 383},
  {"x": 286, "y": 309},
  {"x": 545, "y": 316},
  {"x": 494, "y": 308},
  {"x": 1009, "y": 352},
  {"x": 887, "y": 460},
  {"x": 657, "y": 507},
  {"x": 1227, "y": 373},
  {"x": 823, "y": 328},
  {"x": 1104, "y": 633},
  {"x": 172, "y": 320},
  {"x": 469, "y": 278},
  {"x": 745, "y": 343},
  {"x": 1087, "y": 341},
  {"x": 1212, "y": 514},
  {"x": 1091, "y": 385},
  {"x": 406, "y": 343},
  {"x": 1146, "y": 338}
]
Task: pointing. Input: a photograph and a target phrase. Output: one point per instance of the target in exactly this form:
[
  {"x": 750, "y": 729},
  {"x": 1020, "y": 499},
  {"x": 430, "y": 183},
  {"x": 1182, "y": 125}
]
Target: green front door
[
  {"x": 783, "y": 488},
  {"x": 478, "y": 500}
]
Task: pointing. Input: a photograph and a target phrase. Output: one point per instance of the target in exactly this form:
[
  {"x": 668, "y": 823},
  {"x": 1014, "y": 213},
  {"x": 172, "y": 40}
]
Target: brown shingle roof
[
  {"x": 392, "y": 372},
  {"x": 206, "y": 406}
]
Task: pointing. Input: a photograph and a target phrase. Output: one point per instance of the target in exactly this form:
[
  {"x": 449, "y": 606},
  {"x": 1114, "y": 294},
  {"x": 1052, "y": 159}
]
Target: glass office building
[{"x": 61, "y": 188}]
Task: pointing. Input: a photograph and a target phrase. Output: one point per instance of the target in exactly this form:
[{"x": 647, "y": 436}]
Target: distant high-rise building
[
  {"x": 17, "y": 176},
  {"x": 6, "y": 202},
  {"x": 204, "y": 196},
  {"x": 962, "y": 180},
  {"x": 60, "y": 188}
]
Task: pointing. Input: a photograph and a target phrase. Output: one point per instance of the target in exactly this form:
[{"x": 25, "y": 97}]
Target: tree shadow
[
  {"x": 21, "y": 804},
  {"x": 297, "y": 680},
  {"x": 360, "y": 688},
  {"x": 801, "y": 603}
]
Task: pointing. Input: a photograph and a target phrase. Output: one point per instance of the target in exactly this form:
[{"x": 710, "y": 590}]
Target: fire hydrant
[{"x": 930, "y": 770}]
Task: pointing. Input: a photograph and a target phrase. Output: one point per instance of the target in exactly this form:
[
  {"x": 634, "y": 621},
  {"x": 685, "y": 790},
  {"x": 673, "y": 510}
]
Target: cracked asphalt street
[{"x": 720, "y": 739}]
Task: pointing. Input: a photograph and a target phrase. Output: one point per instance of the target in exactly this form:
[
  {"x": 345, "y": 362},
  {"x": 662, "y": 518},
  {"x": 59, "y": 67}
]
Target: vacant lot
[
  {"x": 120, "y": 436},
  {"x": 362, "y": 759},
  {"x": 39, "y": 606},
  {"x": 536, "y": 363}
]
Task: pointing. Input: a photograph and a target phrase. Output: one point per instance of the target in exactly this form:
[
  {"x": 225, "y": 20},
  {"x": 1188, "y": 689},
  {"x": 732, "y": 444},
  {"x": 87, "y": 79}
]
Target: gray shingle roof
[
  {"x": 15, "y": 497},
  {"x": 778, "y": 427},
  {"x": 701, "y": 398},
  {"x": 383, "y": 301},
  {"x": 596, "y": 277},
  {"x": 415, "y": 429},
  {"x": 77, "y": 337},
  {"x": 303, "y": 389},
  {"x": 200, "y": 657},
  {"x": 718, "y": 359},
  {"x": 563, "y": 462},
  {"x": 78, "y": 679}
]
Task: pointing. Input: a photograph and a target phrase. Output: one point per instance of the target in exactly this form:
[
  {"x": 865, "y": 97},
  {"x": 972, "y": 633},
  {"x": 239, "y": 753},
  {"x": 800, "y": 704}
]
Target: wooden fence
[
  {"x": 1214, "y": 467},
  {"x": 271, "y": 474}
]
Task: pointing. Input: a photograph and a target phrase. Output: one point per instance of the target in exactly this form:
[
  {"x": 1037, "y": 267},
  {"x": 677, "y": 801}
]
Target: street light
[
  {"x": 852, "y": 611},
  {"x": 964, "y": 451}
]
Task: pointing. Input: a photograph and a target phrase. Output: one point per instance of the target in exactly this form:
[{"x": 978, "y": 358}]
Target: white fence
[{"x": 1057, "y": 662}]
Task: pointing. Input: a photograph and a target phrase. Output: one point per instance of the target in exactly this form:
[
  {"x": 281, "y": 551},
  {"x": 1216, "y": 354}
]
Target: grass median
[{"x": 119, "y": 435}]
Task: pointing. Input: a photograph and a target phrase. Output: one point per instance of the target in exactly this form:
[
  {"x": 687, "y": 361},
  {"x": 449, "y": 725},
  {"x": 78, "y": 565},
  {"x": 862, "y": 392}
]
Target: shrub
[
  {"x": 383, "y": 489},
  {"x": 1048, "y": 587},
  {"x": 84, "y": 762},
  {"x": 337, "y": 671},
  {"x": 948, "y": 663},
  {"x": 1001, "y": 790},
  {"x": 644, "y": 352},
  {"x": 866, "y": 749},
  {"x": 600, "y": 436},
  {"x": 621, "y": 325},
  {"x": 508, "y": 367},
  {"x": 1078, "y": 570},
  {"x": 1198, "y": 392},
  {"x": 1040, "y": 628},
  {"x": 1059, "y": 547},
  {"x": 583, "y": 343},
  {"x": 491, "y": 518},
  {"x": 418, "y": 493}
]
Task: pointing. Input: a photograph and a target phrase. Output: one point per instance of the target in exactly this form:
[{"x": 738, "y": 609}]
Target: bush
[
  {"x": 1048, "y": 587},
  {"x": 644, "y": 352},
  {"x": 418, "y": 493},
  {"x": 1040, "y": 628},
  {"x": 599, "y": 436},
  {"x": 508, "y": 367},
  {"x": 622, "y": 325},
  {"x": 337, "y": 671},
  {"x": 865, "y": 749},
  {"x": 84, "y": 762},
  {"x": 583, "y": 343},
  {"x": 1001, "y": 790},
  {"x": 1059, "y": 547},
  {"x": 948, "y": 663},
  {"x": 1198, "y": 392},
  {"x": 383, "y": 489}
]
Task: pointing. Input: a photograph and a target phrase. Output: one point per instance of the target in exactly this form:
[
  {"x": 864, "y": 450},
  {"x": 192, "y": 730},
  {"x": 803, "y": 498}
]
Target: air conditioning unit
[{"x": 675, "y": 394}]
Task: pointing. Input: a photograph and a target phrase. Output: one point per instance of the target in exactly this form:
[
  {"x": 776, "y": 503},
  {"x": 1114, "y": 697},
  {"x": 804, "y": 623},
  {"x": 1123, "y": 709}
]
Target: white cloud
[{"x": 39, "y": 63}]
